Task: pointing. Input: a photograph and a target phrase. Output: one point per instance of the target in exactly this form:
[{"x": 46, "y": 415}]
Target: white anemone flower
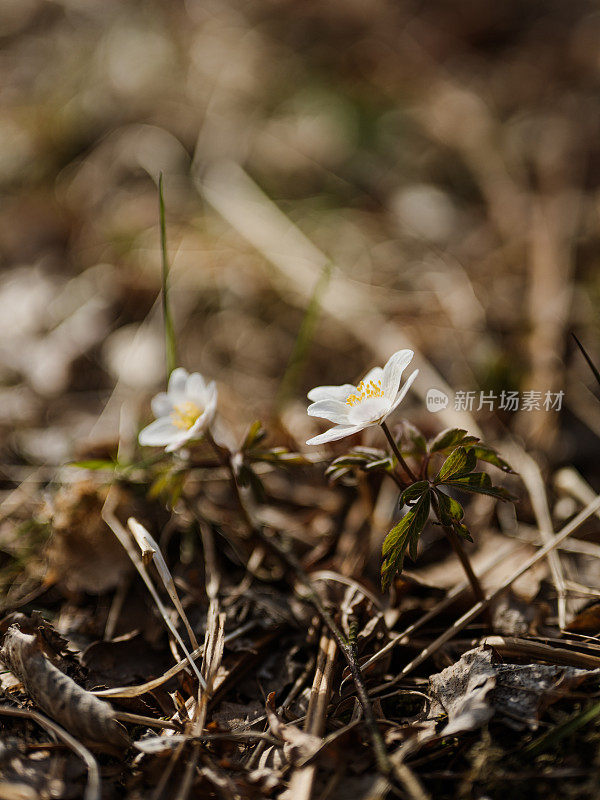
[
  {"x": 353, "y": 408},
  {"x": 183, "y": 412}
]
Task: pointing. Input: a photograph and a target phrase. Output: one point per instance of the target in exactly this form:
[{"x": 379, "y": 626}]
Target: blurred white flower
[
  {"x": 353, "y": 408},
  {"x": 183, "y": 412}
]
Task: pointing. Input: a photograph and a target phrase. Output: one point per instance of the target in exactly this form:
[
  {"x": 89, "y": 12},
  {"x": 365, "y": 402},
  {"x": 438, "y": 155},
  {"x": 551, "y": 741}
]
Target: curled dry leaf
[
  {"x": 476, "y": 688},
  {"x": 78, "y": 711}
]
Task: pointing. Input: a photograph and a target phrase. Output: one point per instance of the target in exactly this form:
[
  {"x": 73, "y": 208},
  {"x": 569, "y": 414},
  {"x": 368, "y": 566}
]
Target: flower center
[
  {"x": 185, "y": 414},
  {"x": 365, "y": 391}
]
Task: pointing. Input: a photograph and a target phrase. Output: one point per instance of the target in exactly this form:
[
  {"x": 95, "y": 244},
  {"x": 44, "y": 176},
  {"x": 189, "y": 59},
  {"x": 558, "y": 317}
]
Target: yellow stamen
[
  {"x": 185, "y": 414},
  {"x": 365, "y": 391}
]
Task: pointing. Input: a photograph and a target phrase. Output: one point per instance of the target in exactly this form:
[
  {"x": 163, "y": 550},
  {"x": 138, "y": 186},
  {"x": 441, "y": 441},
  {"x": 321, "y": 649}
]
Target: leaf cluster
[{"x": 460, "y": 452}]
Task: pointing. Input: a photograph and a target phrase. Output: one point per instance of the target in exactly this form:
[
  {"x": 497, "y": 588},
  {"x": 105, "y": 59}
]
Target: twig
[
  {"x": 150, "y": 722},
  {"x": 515, "y": 647}
]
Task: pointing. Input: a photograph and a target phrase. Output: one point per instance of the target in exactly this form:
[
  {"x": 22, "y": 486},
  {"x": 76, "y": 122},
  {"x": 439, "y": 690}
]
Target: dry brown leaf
[{"x": 78, "y": 711}]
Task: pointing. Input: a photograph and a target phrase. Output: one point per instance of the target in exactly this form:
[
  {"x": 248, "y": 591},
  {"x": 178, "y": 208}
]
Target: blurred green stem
[
  {"x": 170, "y": 344},
  {"x": 398, "y": 454}
]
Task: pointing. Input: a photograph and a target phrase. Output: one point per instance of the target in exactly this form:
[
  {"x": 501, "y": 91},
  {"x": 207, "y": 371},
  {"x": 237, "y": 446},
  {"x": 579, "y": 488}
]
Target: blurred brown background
[{"x": 445, "y": 156}]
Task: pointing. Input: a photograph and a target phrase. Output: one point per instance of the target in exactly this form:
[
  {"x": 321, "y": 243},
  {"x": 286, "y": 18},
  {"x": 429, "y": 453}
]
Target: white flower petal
[
  {"x": 337, "y": 432},
  {"x": 331, "y": 392},
  {"x": 161, "y": 405},
  {"x": 333, "y": 410},
  {"x": 177, "y": 382},
  {"x": 392, "y": 372},
  {"x": 159, "y": 433},
  {"x": 369, "y": 411},
  {"x": 402, "y": 393},
  {"x": 375, "y": 375},
  {"x": 210, "y": 400},
  {"x": 179, "y": 442},
  {"x": 195, "y": 387}
]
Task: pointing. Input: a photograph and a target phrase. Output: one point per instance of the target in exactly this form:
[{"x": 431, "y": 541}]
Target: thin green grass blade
[
  {"x": 170, "y": 342},
  {"x": 297, "y": 360},
  {"x": 591, "y": 364},
  {"x": 554, "y": 736}
]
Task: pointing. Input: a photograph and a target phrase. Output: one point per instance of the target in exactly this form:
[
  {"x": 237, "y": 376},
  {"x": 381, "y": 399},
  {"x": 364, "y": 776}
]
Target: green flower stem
[
  {"x": 397, "y": 453},
  {"x": 458, "y": 548}
]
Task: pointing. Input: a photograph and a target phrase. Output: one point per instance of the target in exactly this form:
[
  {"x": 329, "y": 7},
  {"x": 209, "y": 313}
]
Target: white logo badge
[{"x": 436, "y": 400}]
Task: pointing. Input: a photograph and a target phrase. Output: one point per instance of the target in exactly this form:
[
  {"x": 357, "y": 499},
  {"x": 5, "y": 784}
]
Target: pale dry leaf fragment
[
  {"x": 77, "y": 710},
  {"x": 462, "y": 692},
  {"x": 151, "y": 553},
  {"x": 477, "y": 688}
]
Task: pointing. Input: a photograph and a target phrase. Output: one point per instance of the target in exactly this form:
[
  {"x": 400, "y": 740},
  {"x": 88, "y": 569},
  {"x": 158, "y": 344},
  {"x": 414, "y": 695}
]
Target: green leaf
[
  {"x": 462, "y": 531},
  {"x": 479, "y": 483},
  {"x": 451, "y": 437},
  {"x": 460, "y": 462},
  {"x": 337, "y": 473},
  {"x": 383, "y": 463},
  {"x": 486, "y": 453},
  {"x": 94, "y": 463},
  {"x": 413, "y": 492},
  {"x": 451, "y": 510},
  {"x": 255, "y": 435},
  {"x": 363, "y": 457},
  {"x": 413, "y": 546},
  {"x": 279, "y": 455},
  {"x": 404, "y": 534},
  {"x": 349, "y": 460}
]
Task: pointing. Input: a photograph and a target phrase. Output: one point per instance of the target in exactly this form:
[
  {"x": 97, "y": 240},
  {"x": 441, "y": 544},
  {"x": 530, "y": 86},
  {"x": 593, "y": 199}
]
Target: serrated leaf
[
  {"x": 413, "y": 492},
  {"x": 337, "y": 474},
  {"x": 460, "y": 462},
  {"x": 255, "y": 435},
  {"x": 374, "y": 453},
  {"x": 451, "y": 510},
  {"x": 479, "y": 483},
  {"x": 383, "y": 463},
  {"x": 486, "y": 453},
  {"x": 462, "y": 530},
  {"x": 451, "y": 437},
  {"x": 349, "y": 460},
  {"x": 404, "y": 534}
]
